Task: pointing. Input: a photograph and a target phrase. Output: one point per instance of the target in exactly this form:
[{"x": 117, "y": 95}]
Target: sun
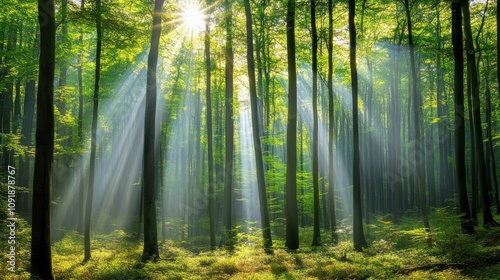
[{"x": 192, "y": 17}]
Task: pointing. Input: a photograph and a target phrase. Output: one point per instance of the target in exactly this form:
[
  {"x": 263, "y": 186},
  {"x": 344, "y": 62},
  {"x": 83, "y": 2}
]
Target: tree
[
  {"x": 460, "y": 172},
  {"x": 331, "y": 193},
  {"x": 488, "y": 219},
  {"x": 7, "y": 92},
  {"x": 93, "y": 141},
  {"x": 41, "y": 257},
  {"x": 357, "y": 229},
  {"x": 261, "y": 182},
  {"x": 395, "y": 194},
  {"x": 292, "y": 223},
  {"x": 149, "y": 156},
  {"x": 26, "y": 130},
  {"x": 418, "y": 152},
  {"x": 498, "y": 55},
  {"x": 80, "y": 127},
  {"x": 228, "y": 178},
  {"x": 211, "y": 194},
  {"x": 315, "y": 166}
]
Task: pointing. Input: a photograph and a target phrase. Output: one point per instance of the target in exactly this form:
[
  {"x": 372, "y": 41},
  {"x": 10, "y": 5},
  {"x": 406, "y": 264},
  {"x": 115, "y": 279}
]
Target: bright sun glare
[{"x": 192, "y": 17}]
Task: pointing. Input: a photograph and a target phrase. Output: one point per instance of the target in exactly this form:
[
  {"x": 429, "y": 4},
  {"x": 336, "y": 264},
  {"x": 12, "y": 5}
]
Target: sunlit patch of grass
[
  {"x": 22, "y": 249},
  {"x": 113, "y": 257},
  {"x": 440, "y": 275},
  {"x": 395, "y": 252},
  {"x": 223, "y": 267}
]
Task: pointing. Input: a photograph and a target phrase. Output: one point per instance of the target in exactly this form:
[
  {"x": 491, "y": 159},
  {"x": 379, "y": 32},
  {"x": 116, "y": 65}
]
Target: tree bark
[
  {"x": 359, "y": 237},
  {"x": 315, "y": 166},
  {"x": 292, "y": 225},
  {"x": 228, "y": 178},
  {"x": 491, "y": 163},
  {"x": 93, "y": 144},
  {"x": 7, "y": 94},
  {"x": 261, "y": 182},
  {"x": 149, "y": 157},
  {"x": 41, "y": 257},
  {"x": 331, "y": 189},
  {"x": 460, "y": 173},
  {"x": 419, "y": 155},
  {"x": 488, "y": 219},
  {"x": 80, "y": 130},
  {"x": 211, "y": 193}
]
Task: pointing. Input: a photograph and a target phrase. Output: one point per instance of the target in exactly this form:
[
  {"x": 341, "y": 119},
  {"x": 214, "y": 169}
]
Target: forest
[{"x": 249, "y": 139}]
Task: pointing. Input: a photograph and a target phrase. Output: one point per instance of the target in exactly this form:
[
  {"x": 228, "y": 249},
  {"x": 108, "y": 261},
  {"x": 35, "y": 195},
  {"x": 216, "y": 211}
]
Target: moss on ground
[{"x": 394, "y": 252}]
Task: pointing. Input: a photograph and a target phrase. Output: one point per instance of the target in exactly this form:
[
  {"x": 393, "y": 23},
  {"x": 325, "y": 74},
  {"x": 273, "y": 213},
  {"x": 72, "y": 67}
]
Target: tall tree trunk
[
  {"x": 211, "y": 193},
  {"x": 460, "y": 173},
  {"x": 62, "y": 160},
  {"x": 93, "y": 144},
  {"x": 261, "y": 182},
  {"x": 443, "y": 159},
  {"x": 292, "y": 225},
  {"x": 80, "y": 130},
  {"x": 498, "y": 83},
  {"x": 41, "y": 257},
  {"x": 498, "y": 54},
  {"x": 331, "y": 189},
  {"x": 359, "y": 236},
  {"x": 395, "y": 197},
  {"x": 315, "y": 166},
  {"x": 3, "y": 73},
  {"x": 228, "y": 178},
  {"x": 419, "y": 155},
  {"x": 301, "y": 172},
  {"x": 491, "y": 164},
  {"x": 26, "y": 132},
  {"x": 488, "y": 219},
  {"x": 149, "y": 157},
  {"x": 27, "y": 129},
  {"x": 17, "y": 107},
  {"x": 7, "y": 94},
  {"x": 63, "y": 70}
]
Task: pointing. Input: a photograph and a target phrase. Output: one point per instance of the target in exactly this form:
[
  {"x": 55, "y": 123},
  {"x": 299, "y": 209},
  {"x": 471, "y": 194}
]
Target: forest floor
[{"x": 395, "y": 252}]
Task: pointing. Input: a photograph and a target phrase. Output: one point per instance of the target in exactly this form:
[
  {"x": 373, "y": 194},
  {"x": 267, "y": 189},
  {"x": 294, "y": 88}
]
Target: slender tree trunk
[
  {"x": 17, "y": 107},
  {"x": 292, "y": 226},
  {"x": 491, "y": 151},
  {"x": 150, "y": 139},
  {"x": 7, "y": 94},
  {"x": 331, "y": 189},
  {"x": 3, "y": 74},
  {"x": 419, "y": 156},
  {"x": 473, "y": 165},
  {"x": 359, "y": 236},
  {"x": 228, "y": 178},
  {"x": 315, "y": 166},
  {"x": 488, "y": 219},
  {"x": 80, "y": 130},
  {"x": 163, "y": 164},
  {"x": 264, "y": 210},
  {"x": 211, "y": 193},
  {"x": 498, "y": 84},
  {"x": 395, "y": 197},
  {"x": 460, "y": 172},
  {"x": 26, "y": 132},
  {"x": 41, "y": 257},
  {"x": 93, "y": 144},
  {"x": 301, "y": 176},
  {"x": 498, "y": 54}
]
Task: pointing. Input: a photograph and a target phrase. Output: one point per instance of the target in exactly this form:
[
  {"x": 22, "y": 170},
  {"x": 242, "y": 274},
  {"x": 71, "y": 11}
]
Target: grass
[{"x": 394, "y": 252}]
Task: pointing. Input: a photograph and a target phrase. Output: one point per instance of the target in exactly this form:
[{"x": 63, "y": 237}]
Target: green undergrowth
[{"x": 403, "y": 251}]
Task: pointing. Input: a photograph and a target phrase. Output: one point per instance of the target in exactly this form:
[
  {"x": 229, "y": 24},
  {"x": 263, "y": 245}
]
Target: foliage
[{"x": 395, "y": 252}]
